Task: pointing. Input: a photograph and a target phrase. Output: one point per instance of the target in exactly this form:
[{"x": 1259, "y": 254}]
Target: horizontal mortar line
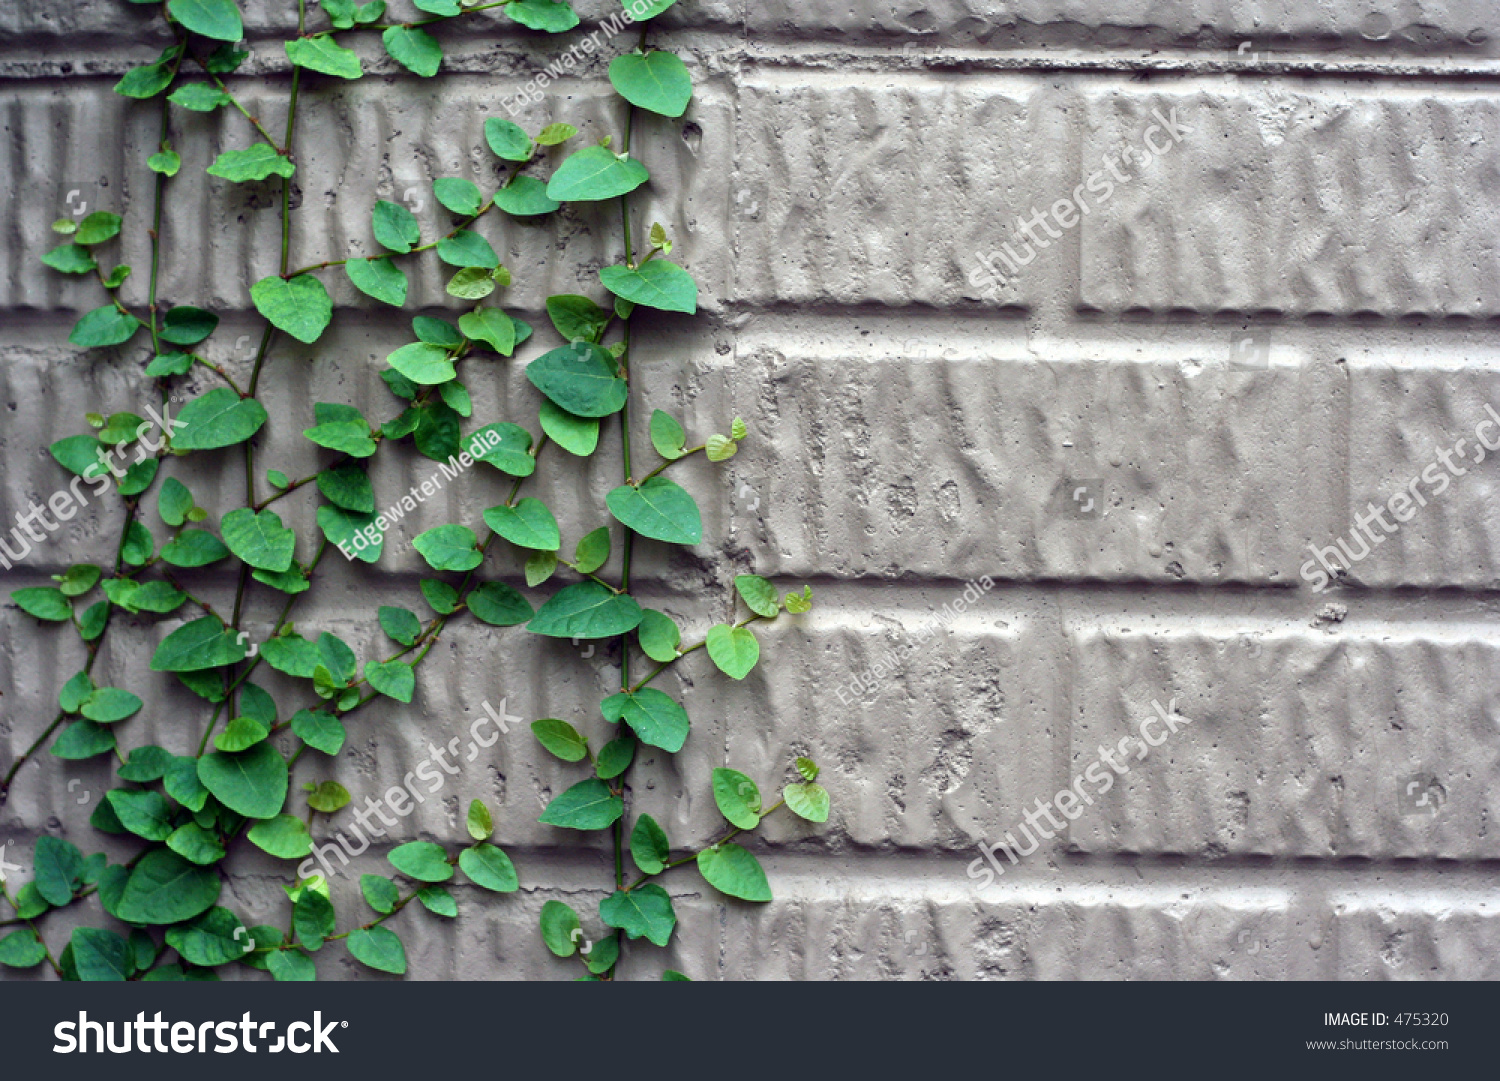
[{"x": 788, "y": 60}]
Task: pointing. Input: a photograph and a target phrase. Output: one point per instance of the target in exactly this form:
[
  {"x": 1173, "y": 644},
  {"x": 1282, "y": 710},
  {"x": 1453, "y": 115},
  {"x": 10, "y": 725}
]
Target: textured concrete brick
[
  {"x": 1299, "y": 745},
  {"x": 1226, "y": 221},
  {"x": 964, "y": 463}
]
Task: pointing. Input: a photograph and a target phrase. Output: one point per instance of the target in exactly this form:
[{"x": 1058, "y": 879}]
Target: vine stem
[{"x": 691, "y": 856}]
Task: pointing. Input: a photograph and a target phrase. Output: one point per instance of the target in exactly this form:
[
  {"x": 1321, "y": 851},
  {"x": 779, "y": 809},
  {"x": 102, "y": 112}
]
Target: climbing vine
[{"x": 230, "y": 782}]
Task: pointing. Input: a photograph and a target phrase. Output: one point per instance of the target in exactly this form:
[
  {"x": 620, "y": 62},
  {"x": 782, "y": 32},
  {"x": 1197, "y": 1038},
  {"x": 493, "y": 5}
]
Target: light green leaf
[
  {"x": 401, "y": 624},
  {"x": 733, "y": 649},
  {"x": 458, "y": 195},
  {"x": 70, "y": 259},
  {"x": 648, "y": 845},
  {"x": 325, "y": 55},
  {"x": 467, "y": 249},
  {"x": 657, "y": 284},
  {"x": 644, "y": 912},
  {"x": 479, "y": 822},
  {"x": 489, "y": 867},
  {"x": 551, "y": 16},
  {"x": 553, "y": 134},
  {"x": 194, "y": 843},
  {"x": 758, "y": 594},
  {"x": 653, "y": 715},
  {"x": 586, "y": 610},
  {"x": 378, "y": 278},
  {"x": 217, "y": 19},
  {"x": 528, "y": 524},
  {"x": 720, "y": 448},
  {"x": 199, "y": 97},
  {"x": 449, "y": 548},
  {"x": 560, "y": 928},
  {"x": 540, "y": 565},
  {"x": 733, "y": 870},
  {"x": 413, "y": 48},
  {"x": 659, "y": 509},
  {"x": 659, "y": 636},
  {"x": 809, "y": 801},
  {"x": 252, "y": 783},
  {"x": 394, "y": 679},
  {"x": 595, "y": 173},
  {"x": 576, "y": 435},
  {"x": 108, "y": 705},
  {"x": 657, "y": 81},
  {"x": 588, "y": 805},
  {"x": 738, "y": 798},
  {"x": 561, "y": 738},
  {"x": 380, "y": 893},
  {"x": 525, "y": 197},
  {"x": 255, "y": 162},
  {"x": 284, "y": 837},
  {"x": 104, "y": 327},
  {"x": 667, "y": 435},
  {"x": 395, "y": 227},
  {"x": 259, "y": 539},
  {"x": 299, "y": 306},
  {"x": 799, "y": 602},
  {"x": 319, "y": 730},
  {"x": 423, "y": 364},
  {"x": 592, "y": 551},
  {"x": 490, "y": 326},
  {"x": 422, "y": 860}
]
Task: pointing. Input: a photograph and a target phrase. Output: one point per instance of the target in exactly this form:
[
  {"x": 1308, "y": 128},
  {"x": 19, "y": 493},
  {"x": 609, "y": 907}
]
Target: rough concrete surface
[{"x": 1283, "y": 317}]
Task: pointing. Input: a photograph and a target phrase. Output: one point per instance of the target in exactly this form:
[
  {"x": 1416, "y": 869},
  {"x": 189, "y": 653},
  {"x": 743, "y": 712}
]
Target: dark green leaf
[
  {"x": 561, "y": 738},
  {"x": 648, "y": 845},
  {"x": 104, "y": 327},
  {"x": 644, "y": 912},
  {"x": 581, "y": 378},
  {"x": 252, "y": 783},
  {"x": 586, "y": 610},
  {"x": 165, "y": 888},
  {"x": 449, "y": 548},
  {"x": 220, "y": 418},
  {"x": 499, "y": 605},
  {"x": 657, "y": 284},
  {"x": 203, "y": 643},
  {"x": 217, "y": 19},
  {"x": 652, "y": 714},
  {"x": 379, "y": 278},
  {"x": 588, "y": 805},
  {"x": 300, "y": 306}
]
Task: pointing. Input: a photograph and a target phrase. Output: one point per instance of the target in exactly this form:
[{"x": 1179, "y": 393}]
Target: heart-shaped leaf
[
  {"x": 659, "y": 509},
  {"x": 300, "y": 306},
  {"x": 657, "y": 81}
]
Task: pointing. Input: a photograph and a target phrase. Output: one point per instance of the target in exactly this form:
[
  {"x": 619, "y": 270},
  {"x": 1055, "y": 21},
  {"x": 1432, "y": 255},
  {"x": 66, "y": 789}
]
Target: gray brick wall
[{"x": 1333, "y": 197}]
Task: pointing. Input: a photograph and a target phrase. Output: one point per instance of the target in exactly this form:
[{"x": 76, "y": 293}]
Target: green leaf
[
  {"x": 255, "y": 162},
  {"x": 489, "y": 867},
  {"x": 561, "y": 738},
  {"x": 809, "y": 801},
  {"x": 525, "y": 197},
  {"x": 653, "y": 715},
  {"x": 44, "y": 602},
  {"x": 595, "y": 173},
  {"x": 217, "y": 19},
  {"x": 499, "y": 605},
  {"x": 199, "y": 97},
  {"x": 288, "y": 966},
  {"x": 22, "y": 949},
  {"x": 738, "y": 798},
  {"x": 78, "y": 454},
  {"x": 313, "y": 919},
  {"x": 395, "y": 227},
  {"x": 737, "y": 430},
  {"x": 146, "y": 764},
  {"x": 505, "y": 446},
  {"x": 442, "y": 597},
  {"x": 351, "y": 437},
  {"x": 259, "y": 539},
  {"x": 75, "y": 692},
  {"x": 808, "y": 768},
  {"x": 449, "y": 548},
  {"x": 648, "y": 10},
  {"x": 292, "y": 654},
  {"x": 413, "y": 48},
  {"x": 348, "y": 485},
  {"x": 215, "y": 938},
  {"x": 145, "y": 81},
  {"x": 182, "y": 784},
  {"x": 138, "y": 545},
  {"x": 507, "y": 140},
  {"x": 165, "y": 888},
  {"x": 528, "y": 524},
  {"x": 328, "y": 797},
  {"x": 378, "y": 278},
  {"x": 467, "y": 249},
  {"x": 592, "y": 551},
  {"x": 100, "y": 955},
  {"x": 169, "y": 364},
  {"x": 55, "y": 869},
  {"x": 553, "y": 134},
  {"x": 659, "y": 636},
  {"x": 423, "y": 364},
  {"x": 202, "y": 643},
  {"x": 325, "y": 55},
  {"x": 337, "y": 657},
  {"x": 70, "y": 259},
  {"x": 319, "y": 730},
  {"x": 194, "y": 548},
  {"x": 577, "y": 317},
  {"x": 379, "y": 948},
  {"x": 252, "y": 783},
  {"x": 351, "y": 532},
  {"x": 644, "y": 912},
  {"x": 193, "y": 843},
  {"x": 380, "y": 893},
  {"x": 588, "y": 805},
  {"x": 438, "y": 901},
  {"x": 108, "y": 705},
  {"x": 173, "y": 502},
  {"x": 586, "y": 610},
  {"x": 401, "y": 624},
  {"x": 458, "y": 195},
  {"x": 799, "y": 602},
  {"x": 98, "y": 227},
  {"x": 720, "y": 448},
  {"x": 83, "y": 739},
  {"x": 103, "y": 327},
  {"x": 299, "y": 306},
  {"x": 733, "y": 649},
  {"x": 581, "y": 378},
  {"x": 91, "y": 623},
  {"x": 560, "y": 928},
  {"x": 540, "y": 565},
  {"x": 490, "y": 326},
  {"x": 422, "y": 860},
  {"x": 479, "y": 822},
  {"x": 648, "y": 845},
  {"x": 615, "y": 758},
  {"x": 220, "y": 418},
  {"x": 658, "y": 82},
  {"x": 758, "y": 594},
  {"x": 552, "y": 16},
  {"x": 576, "y": 435},
  {"x": 733, "y": 870},
  {"x": 394, "y": 679},
  {"x": 657, "y": 284},
  {"x": 284, "y": 837},
  {"x": 659, "y": 509}
]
